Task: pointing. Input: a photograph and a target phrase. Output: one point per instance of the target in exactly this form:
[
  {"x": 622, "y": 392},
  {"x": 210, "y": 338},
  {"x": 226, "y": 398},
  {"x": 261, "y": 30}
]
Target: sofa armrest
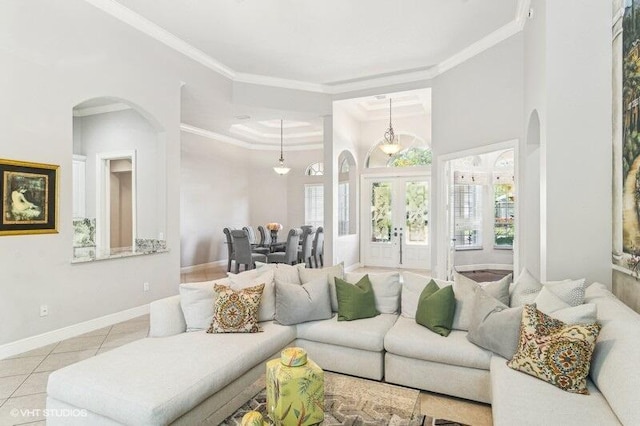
[{"x": 166, "y": 318}]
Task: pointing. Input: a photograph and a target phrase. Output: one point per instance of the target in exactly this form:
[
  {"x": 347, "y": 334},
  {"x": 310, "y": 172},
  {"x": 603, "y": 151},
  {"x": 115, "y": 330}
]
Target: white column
[{"x": 330, "y": 192}]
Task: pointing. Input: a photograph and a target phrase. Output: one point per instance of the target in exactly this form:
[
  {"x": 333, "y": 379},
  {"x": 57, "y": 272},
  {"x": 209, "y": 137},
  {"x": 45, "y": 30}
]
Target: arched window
[
  {"x": 344, "y": 165},
  {"x": 315, "y": 169},
  {"x": 415, "y": 152},
  {"x": 416, "y": 156}
]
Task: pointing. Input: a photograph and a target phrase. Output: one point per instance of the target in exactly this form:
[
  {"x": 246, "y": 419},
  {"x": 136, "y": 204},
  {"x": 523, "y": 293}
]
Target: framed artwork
[{"x": 29, "y": 197}]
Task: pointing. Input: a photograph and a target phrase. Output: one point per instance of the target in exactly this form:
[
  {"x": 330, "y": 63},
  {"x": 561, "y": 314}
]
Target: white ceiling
[
  {"x": 327, "y": 41},
  {"x": 328, "y": 46}
]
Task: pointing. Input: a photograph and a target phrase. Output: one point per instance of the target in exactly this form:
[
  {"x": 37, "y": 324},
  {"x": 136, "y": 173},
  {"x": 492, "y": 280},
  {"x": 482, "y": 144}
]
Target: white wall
[
  {"x": 570, "y": 87},
  {"x": 214, "y": 194},
  {"x": 53, "y": 56},
  {"x": 475, "y": 104}
]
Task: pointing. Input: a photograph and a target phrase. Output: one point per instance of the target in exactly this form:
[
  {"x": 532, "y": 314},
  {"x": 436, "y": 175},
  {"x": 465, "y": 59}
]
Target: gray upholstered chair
[
  {"x": 230, "y": 252},
  {"x": 290, "y": 256},
  {"x": 255, "y": 247},
  {"x": 317, "y": 252},
  {"x": 304, "y": 251},
  {"x": 242, "y": 248}
]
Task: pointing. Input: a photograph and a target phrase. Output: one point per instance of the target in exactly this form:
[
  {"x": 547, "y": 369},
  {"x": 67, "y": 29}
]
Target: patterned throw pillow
[
  {"x": 236, "y": 311},
  {"x": 555, "y": 352}
]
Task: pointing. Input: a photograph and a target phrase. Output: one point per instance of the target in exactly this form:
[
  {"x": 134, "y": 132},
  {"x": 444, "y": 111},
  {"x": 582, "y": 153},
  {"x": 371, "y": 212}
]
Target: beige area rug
[{"x": 354, "y": 401}]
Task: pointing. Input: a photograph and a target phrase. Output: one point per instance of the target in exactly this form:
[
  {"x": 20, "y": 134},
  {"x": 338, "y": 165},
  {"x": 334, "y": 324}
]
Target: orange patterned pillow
[
  {"x": 236, "y": 311},
  {"x": 555, "y": 352}
]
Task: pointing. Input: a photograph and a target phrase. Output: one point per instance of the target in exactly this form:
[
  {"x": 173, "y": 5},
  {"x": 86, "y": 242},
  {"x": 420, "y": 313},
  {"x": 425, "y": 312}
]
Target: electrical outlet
[
  {"x": 145, "y": 287},
  {"x": 44, "y": 310}
]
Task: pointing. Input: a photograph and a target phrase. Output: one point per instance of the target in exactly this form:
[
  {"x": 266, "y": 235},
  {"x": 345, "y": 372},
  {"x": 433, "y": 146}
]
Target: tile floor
[{"x": 23, "y": 378}]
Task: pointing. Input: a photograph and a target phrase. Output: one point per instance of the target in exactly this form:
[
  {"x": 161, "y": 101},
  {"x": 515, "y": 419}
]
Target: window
[
  {"x": 467, "y": 206},
  {"x": 343, "y": 208},
  {"x": 315, "y": 169},
  {"x": 314, "y": 205},
  {"x": 503, "y": 227},
  {"x": 416, "y": 156}
]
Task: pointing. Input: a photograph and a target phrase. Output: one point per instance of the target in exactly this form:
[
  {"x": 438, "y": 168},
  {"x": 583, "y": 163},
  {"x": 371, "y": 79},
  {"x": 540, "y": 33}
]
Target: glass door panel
[
  {"x": 381, "y": 212},
  {"x": 416, "y": 213}
]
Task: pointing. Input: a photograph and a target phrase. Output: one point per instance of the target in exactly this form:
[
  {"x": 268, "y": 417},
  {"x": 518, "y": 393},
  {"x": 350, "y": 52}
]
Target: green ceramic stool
[{"x": 295, "y": 389}]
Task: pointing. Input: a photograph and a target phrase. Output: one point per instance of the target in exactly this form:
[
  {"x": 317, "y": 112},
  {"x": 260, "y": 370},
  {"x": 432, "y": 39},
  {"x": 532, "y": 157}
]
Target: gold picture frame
[{"x": 29, "y": 194}]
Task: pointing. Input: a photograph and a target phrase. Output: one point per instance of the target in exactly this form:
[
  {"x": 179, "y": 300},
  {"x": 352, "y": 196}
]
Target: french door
[{"x": 395, "y": 221}]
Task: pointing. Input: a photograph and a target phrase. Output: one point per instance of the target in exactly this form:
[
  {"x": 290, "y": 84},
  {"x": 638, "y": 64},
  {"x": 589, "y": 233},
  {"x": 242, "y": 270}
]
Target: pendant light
[
  {"x": 280, "y": 168},
  {"x": 390, "y": 145}
]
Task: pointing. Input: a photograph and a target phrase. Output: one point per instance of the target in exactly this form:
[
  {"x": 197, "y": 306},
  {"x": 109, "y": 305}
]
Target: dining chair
[
  {"x": 304, "y": 251},
  {"x": 318, "y": 247},
  {"x": 290, "y": 255},
  {"x": 230, "y": 252},
  {"x": 243, "y": 254},
  {"x": 255, "y": 247}
]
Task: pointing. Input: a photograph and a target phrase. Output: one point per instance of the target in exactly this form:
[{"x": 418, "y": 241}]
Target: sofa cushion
[
  {"x": 355, "y": 301},
  {"x": 299, "y": 303},
  {"x": 494, "y": 325},
  {"x": 282, "y": 271},
  {"x": 553, "y": 351},
  {"x": 196, "y": 300},
  {"x": 411, "y": 340},
  {"x": 236, "y": 311},
  {"x": 252, "y": 278},
  {"x": 519, "y": 399},
  {"x": 386, "y": 289},
  {"x": 436, "y": 308},
  {"x": 330, "y": 273},
  {"x": 614, "y": 366},
  {"x": 154, "y": 381},
  {"x": 464, "y": 289},
  {"x": 412, "y": 286},
  {"x": 366, "y": 334},
  {"x": 525, "y": 289}
]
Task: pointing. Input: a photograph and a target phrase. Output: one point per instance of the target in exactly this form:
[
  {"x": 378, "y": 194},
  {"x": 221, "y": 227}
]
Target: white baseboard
[
  {"x": 498, "y": 266},
  {"x": 353, "y": 267},
  {"x": 202, "y": 266},
  {"x": 34, "y": 342}
]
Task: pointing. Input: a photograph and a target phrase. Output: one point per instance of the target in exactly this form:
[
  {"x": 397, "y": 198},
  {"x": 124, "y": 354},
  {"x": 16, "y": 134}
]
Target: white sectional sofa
[{"x": 178, "y": 377}]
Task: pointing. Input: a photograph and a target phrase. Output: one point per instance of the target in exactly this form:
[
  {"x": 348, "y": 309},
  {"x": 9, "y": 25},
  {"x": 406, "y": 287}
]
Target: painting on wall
[
  {"x": 631, "y": 128},
  {"x": 29, "y": 197}
]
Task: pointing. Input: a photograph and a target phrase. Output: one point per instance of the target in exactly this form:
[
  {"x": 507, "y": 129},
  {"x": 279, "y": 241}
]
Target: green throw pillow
[
  {"x": 355, "y": 301},
  {"x": 436, "y": 307}
]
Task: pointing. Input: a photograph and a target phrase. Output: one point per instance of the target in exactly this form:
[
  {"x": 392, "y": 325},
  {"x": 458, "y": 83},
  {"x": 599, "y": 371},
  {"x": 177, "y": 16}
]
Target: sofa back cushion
[
  {"x": 614, "y": 366},
  {"x": 386, "y": 289},
  {"x": 196, "y": 300},
  {"x": 412, "y": 287}
]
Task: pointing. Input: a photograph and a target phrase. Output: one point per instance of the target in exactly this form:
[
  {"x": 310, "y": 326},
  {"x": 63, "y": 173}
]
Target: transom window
[{"x": 315, "y": 169}]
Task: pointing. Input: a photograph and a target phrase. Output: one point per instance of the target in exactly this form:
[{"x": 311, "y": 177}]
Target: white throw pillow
[
  {"x": 330, "y": 273},
  {"x": 267, "y": 309},
  {"x": 283, "y": 272},
  {"x": 583, "y": 314},
  {"x": 412, "y": 286},
  {"x": 301, "y": 303},
  {"x": 570, "y": 291},
  {"x": 386, "y": 289},
  {"x": 464, "y": 290},
  {"x": 525, "y": 289},
  {"x": 196, "y": 300}
]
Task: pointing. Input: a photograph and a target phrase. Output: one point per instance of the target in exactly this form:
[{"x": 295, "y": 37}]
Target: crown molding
[
  {"x": 103, "y": 109},
  {"x": 128, "y": 16},
  {"x": 247, "y": 145},
  {"x": 142, "y": 24}
]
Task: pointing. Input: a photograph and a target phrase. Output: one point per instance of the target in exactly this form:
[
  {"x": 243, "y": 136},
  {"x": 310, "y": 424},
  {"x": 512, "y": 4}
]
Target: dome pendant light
[
  {"x": 390, "y": 145},
  {"x": 280, "y": 168}
]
